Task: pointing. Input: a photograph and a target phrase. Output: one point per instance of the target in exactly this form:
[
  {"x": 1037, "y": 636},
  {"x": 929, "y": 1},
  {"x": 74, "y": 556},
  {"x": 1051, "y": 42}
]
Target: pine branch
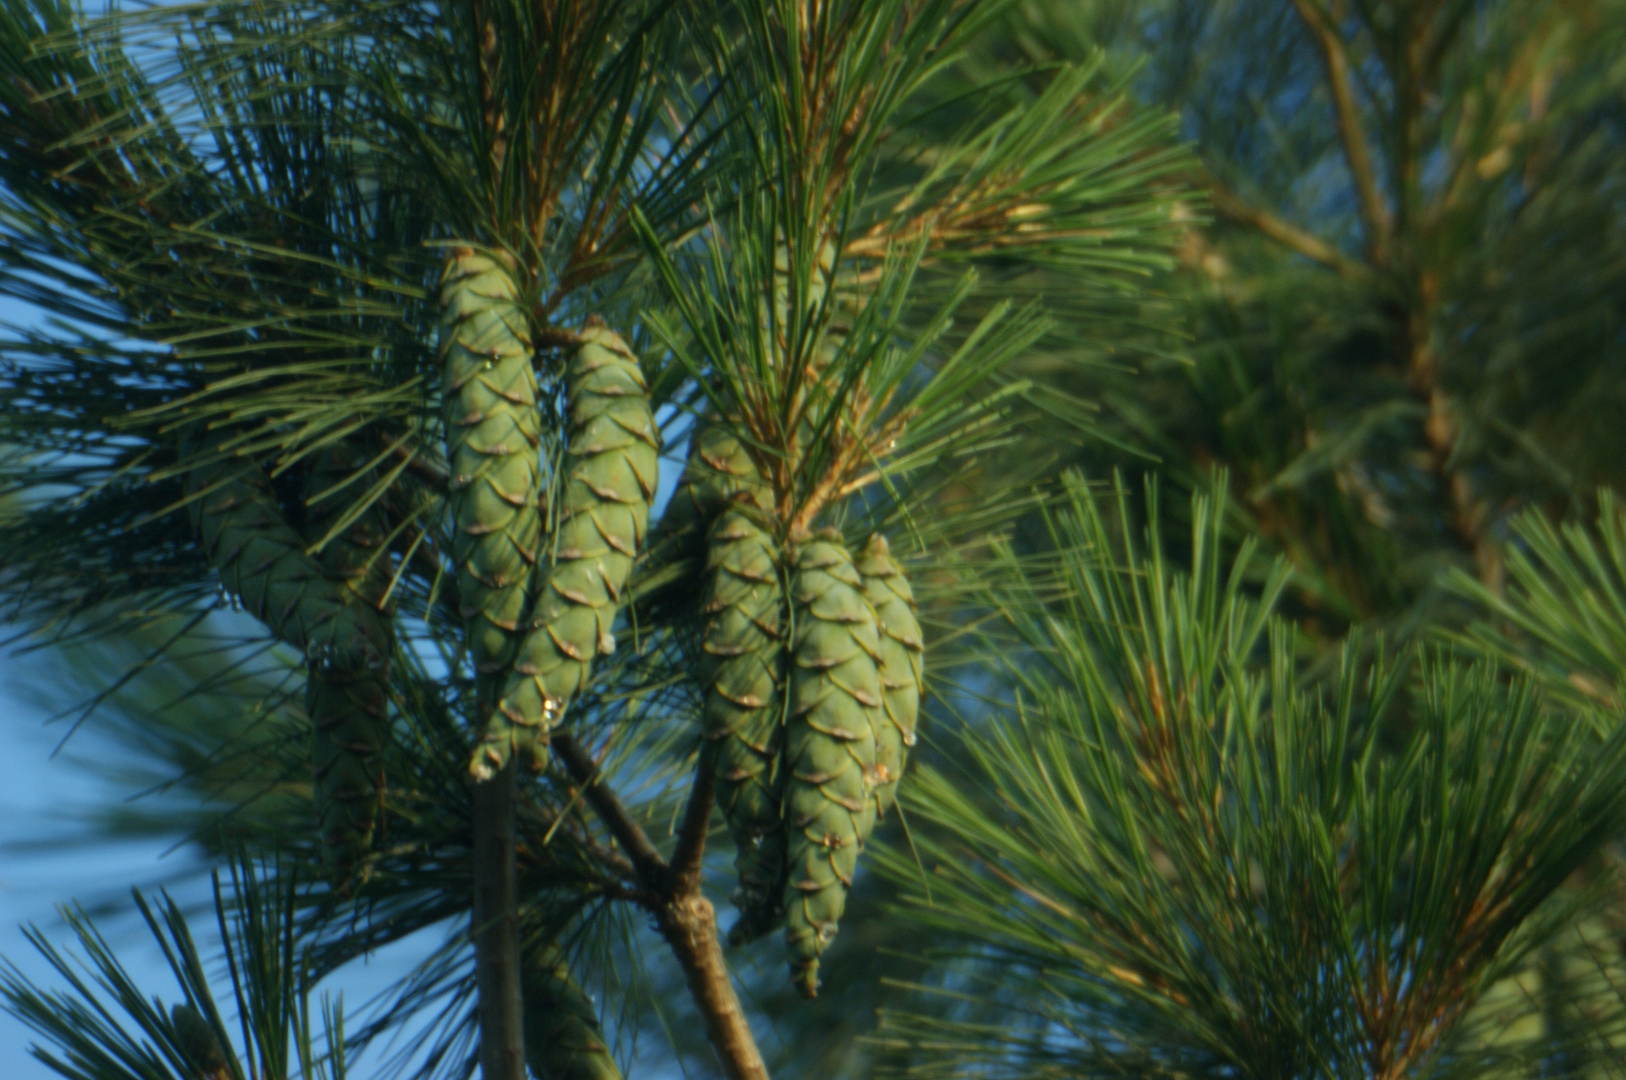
[
  {"x": 684, "y": 870},
  {"x": 682, "y": 913},
  {"x": 1374, "y": 213},
  {"x": 689, "y": 925},
  {"x": 1288, "y": 235},
  {"x": 646, "y": 858},
  {"x": 1466, "y": 511},
  {"x": 495, "y": 929}
]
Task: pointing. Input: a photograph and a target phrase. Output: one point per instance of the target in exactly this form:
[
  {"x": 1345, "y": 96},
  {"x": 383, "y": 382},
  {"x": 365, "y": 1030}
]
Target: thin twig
[
  {"x": 1374, "y": 212},
  {"x": 553, "y": 337},
  {"x": 426, "y": 471},
  {"x": 1288, "y": 235},
  {"x": 682, "y": 913},
  {"x": 684, "y": 870},
  {"x": 646, "y": 859}
]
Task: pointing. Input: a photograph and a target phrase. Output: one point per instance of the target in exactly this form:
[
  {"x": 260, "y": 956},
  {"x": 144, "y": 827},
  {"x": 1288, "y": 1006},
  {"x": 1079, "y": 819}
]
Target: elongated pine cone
[
  {"x": 614, "y": 449},
  {"x": 493, "y": 439},
  {"x": 902, "y": 662},
  {"x": 836, "y": 708}
]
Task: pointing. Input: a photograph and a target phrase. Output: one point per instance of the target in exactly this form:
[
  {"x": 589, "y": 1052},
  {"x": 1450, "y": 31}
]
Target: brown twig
[
  {"x": 1374, "y": 212},
  {"x": 682, "y": 913},
  {"x": 1467, "y": 512},
  {"x": 684, "y": 870},
  {"x": 646, "y": 858},
  {"x": 495, "y": 929},
  {"x": 1288, "y": 235},
  {"x": 689, "y": 925},
  {"x": 426, "y": 471},
  {"x": 553, "y": 337}
]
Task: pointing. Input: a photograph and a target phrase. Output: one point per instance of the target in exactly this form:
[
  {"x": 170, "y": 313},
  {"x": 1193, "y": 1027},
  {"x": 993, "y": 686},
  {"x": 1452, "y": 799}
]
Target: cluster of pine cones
[
  {"x": 811, "y": 667},
  {"x": 811, "y": 677},
  {"x": 812, "y": 660}
]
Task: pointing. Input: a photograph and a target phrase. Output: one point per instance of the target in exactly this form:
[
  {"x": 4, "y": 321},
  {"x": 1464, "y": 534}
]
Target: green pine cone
[
  {"x": 902, "y": 661},
  {"x": 348, "y": 707},
  {"x": 493, "y": 433},
  {"x": 817, "y": 287},
  {"x": 718, "y": 466},
  {"x": 604, "y": 519},
  {"x": 262, "y": 564},
  {"x": 563, "y": 1039},
  {"x": 198, "y": 1043},
  {"x": 347, "y": 644},
  {"x": 830, "y": 752},
  {"x": 742, "y": 671}
]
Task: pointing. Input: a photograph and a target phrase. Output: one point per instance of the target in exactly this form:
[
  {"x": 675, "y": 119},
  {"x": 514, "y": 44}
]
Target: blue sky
[
  {"x": 47, "y": 856},
  {"x": 38, "y": 794},
  {"x": 41, "y": 799}
]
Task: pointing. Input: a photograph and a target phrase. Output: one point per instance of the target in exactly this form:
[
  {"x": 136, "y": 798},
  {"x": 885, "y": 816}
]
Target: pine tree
[
  {"x": 1402, "y": 323},
  {"x": 365, "y": 318},
  {"x": 376, "y": 324},
  {"x": 1179, "y": 852}
]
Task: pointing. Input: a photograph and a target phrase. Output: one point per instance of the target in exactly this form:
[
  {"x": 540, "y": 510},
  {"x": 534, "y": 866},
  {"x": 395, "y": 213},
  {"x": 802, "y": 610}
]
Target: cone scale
[
  {"x": 614, "y": 450},
  {"x": 830, "y": 747}
]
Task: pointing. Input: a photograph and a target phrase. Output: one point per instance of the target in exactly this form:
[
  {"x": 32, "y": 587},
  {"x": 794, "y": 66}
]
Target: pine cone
[
  {"x": 743, "y": 674},
  {"x": 902, "y": 658},
  {"x": 603, "y": 524},
  {"x": 563, "y": 1039},
  {"x": 348, "y": 707},
  {"x": 830, "y": 747},
  {"x": 493, "y": 435},
  {"x": 196, "y": 1040}
]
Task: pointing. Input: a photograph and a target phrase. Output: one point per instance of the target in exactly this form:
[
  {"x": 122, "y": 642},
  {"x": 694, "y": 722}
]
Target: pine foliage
[
  {"x": 1193, "y": 862},
  {"x": 108, "y": 1025},
  {"x": 335, "y": 462}
]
